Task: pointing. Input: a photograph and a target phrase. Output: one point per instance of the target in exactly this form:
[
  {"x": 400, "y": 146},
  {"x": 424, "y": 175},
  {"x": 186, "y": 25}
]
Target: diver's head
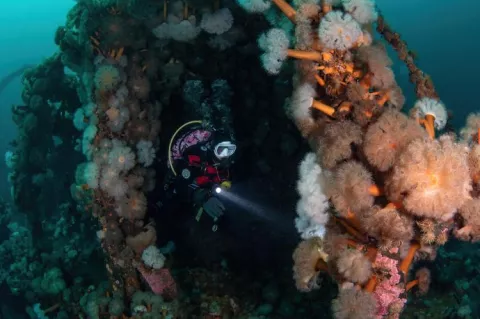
[
  {"x": 224, "y": 150},
  {"x": 223, "y": 146}
]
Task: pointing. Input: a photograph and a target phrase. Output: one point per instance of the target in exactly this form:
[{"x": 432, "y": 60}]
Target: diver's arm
[
  {"x": 181, "y": 184},
  {"x": 185, "y": 186},
  {"x": 176, "y": 187}
]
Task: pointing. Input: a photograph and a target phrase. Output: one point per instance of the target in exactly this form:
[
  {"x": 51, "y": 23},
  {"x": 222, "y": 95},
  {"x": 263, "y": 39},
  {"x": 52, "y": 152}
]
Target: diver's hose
[{"x": 171, "y": 141}]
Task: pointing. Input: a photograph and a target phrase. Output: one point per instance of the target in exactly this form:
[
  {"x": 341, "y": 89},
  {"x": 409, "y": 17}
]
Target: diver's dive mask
[{"x": 224, "y": 150}]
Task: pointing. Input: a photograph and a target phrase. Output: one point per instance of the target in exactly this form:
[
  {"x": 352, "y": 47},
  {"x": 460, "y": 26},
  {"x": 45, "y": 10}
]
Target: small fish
[
  {"x": 67, "y": 182},
  {"x": 11, "y": 76},
  {"x": 449, "y": 115},
  {"x": 21, "y": 107}
]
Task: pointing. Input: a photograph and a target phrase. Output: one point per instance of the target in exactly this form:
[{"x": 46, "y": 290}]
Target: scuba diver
[{"x": 200, "y": 152}]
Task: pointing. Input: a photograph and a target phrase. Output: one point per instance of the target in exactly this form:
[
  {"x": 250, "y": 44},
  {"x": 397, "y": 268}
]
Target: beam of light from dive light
[
  {"x": 246, "y": 197},
  {"x": 218, "y": 189},
  {"x": 236, "y": 198}
]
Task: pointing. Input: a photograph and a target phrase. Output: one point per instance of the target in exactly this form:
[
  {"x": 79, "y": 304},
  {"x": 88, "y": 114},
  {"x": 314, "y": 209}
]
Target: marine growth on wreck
[{"x": 307, "y": 89}]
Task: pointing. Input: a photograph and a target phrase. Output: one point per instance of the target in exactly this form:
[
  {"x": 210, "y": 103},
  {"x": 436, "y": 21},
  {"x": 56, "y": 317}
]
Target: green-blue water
[{"x": 51, "y": 247}]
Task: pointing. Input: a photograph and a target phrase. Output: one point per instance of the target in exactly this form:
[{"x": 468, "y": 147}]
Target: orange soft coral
[
  {"x": 474, "y": 163},
  {"x": 471, "y": 132},
  {"x": 423, "y": 277},
  {"x": 336, "y": 142},
  {"x": 388, "y": 136},
  {"x": 354, "y": 266},
  {"x": 388, "y": 226},
  {"x": 350, "y": 189},
  {"x": 306, "y": 258},
  {"x": 431, "y": 178},
  {"x": 353, "y": 303},
  {"x": 470, "y": 213}
]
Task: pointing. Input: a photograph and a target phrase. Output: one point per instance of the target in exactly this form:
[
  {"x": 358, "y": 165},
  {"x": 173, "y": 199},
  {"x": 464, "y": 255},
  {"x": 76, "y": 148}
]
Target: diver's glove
[
  {"x": 200, "y": 196},
  {"x": 214, "y": 207}
]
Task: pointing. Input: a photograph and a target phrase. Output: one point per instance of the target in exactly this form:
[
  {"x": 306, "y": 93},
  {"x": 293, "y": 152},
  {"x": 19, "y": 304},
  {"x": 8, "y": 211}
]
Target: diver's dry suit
[{"x": 198, "y": 173}]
